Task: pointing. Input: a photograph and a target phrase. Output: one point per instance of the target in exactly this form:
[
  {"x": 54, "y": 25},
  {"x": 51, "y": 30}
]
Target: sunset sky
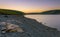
[{"x": 30, "y": 5}]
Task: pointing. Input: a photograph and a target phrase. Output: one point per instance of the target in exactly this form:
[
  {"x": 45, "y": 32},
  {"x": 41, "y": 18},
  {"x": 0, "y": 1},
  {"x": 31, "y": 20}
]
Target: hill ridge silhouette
[
  {"x": 46, "y": 12},
  {"x": 10, "y": 12}
]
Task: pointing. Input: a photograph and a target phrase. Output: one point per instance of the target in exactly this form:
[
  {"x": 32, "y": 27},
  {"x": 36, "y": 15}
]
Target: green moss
[{"x": 10, "y": 12}]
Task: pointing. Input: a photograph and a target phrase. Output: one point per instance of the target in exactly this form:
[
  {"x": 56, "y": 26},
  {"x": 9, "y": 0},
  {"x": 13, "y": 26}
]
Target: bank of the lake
[{"x": 49, "y": 20}]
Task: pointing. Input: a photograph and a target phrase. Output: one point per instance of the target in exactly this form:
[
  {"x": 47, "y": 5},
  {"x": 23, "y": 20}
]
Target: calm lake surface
[{"x": 48, "y": 20}]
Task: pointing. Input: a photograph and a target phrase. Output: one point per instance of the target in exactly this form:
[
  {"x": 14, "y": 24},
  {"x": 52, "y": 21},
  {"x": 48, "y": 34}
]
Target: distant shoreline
[{"x": 39, "y": 14}]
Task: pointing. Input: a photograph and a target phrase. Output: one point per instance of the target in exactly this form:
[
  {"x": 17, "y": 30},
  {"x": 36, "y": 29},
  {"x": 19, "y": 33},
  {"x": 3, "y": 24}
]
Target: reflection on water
[{"x": 49, "y": 20}]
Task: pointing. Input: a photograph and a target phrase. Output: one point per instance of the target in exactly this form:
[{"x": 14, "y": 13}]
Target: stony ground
[{"x": 31, "y": 27}]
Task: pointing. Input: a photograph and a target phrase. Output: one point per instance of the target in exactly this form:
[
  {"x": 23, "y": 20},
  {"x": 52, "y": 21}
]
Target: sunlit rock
[{"x": 14, "y": 27}]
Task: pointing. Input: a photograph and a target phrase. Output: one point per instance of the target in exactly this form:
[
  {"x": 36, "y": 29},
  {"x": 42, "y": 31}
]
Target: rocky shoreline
[{"x": 31, "y": 27}]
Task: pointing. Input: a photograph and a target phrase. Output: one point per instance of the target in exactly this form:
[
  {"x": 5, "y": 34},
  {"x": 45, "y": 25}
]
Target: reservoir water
[{"x": 48, "y": 20}]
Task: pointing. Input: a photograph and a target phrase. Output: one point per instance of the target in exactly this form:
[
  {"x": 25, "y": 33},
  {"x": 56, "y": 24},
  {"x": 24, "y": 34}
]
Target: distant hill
[
  {"x": 10, "y": 12},
  {"x": 51, "y": 12},
  {"x": 47, "y": 12}
]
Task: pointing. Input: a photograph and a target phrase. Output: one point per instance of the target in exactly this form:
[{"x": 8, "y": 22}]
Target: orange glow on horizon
[
  {"x": 25, "y": 9},
  {"x": 31, "y": 10}
]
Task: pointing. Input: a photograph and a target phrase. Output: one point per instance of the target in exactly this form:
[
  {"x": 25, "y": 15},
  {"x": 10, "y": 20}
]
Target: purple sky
[{"x": 30, "y": 5}]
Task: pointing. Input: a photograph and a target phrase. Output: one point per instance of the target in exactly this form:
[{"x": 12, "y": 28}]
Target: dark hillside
[
  {"x": 51, "y": 12},
  {"x": 10, "y": 12}
]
